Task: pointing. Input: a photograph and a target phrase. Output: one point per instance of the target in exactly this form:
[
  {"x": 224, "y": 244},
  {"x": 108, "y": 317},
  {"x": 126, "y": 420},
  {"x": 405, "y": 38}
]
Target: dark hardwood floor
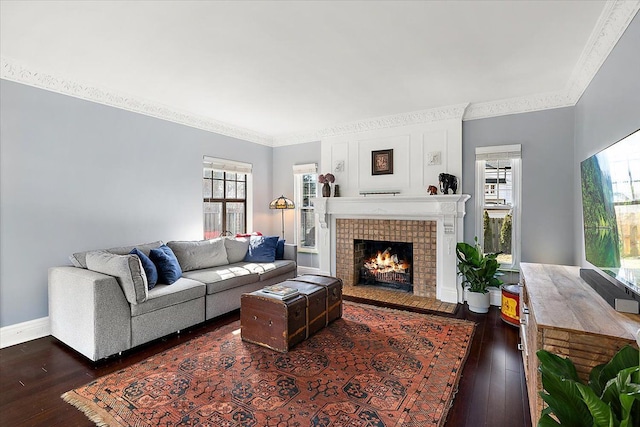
[{"x": 33, "y": 375}]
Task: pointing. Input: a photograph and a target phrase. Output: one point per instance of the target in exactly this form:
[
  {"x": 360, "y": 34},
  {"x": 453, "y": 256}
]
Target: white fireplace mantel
[{"x": 447, "y": 210}]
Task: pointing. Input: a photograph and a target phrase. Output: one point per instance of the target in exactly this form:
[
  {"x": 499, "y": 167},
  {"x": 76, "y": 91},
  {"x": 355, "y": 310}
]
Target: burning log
[
  {"x": 385, "y": 262},
  {"x": 385, "y": 267}
]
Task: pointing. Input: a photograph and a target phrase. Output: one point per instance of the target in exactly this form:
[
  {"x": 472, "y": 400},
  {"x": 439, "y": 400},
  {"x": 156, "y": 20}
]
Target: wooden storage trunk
[
  {"x": 334, "y": 292},
  {"x": 271, "y": 322},
  {"x": 316, "y": 298}
]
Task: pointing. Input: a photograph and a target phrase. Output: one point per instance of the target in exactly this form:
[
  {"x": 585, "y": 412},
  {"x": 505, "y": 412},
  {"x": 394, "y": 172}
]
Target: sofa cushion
[
  {"x": 194, "y": 255},
  {"x": 220, "y": 279},
  {"x": 79, "y": 259},
  {"x": 127, "y": 269},
  {"x": 149, "y": 267},
  {"x": 167, "y": 295},
  {"x": 169, "y": 270},
  {"x": 262, "y": 249},
  {"x": 268, "y": 270},
  {"x": 237, "y": 248}
]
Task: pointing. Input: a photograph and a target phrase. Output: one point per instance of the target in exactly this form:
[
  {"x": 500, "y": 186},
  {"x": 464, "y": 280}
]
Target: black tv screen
[{"x": 611, "y": 210}]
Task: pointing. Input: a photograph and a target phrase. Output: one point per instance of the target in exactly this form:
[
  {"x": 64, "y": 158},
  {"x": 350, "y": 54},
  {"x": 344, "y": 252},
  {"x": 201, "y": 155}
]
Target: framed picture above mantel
[{"x": 382, "y": 162}]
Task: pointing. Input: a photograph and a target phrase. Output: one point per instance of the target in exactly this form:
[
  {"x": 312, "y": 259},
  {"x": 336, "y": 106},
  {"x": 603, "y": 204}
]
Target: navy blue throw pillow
[
  {"x": 169, "y": 270},
  {"x": 262, "y": 249},
  {"x": 280, "y": 249},
  {"x": 149, "y": 268}
]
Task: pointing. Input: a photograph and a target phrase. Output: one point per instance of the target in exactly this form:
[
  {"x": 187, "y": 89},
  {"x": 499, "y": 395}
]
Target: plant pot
[{"x": 478, "y": 302}]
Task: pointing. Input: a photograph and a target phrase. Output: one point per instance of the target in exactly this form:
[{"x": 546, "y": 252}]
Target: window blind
[
  {"x": 499, "y": 152},
  {"x": 227, "y": 165},
  {"x": 306, "y": 168}
]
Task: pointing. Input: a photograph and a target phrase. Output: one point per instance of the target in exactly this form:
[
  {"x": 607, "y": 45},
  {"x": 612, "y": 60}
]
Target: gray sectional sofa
[{"x": 103, "y": 304}]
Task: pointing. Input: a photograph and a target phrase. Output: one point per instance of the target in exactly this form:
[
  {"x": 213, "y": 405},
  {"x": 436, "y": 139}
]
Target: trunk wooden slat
[
  {"x": 273, "y": 323},
  {"x": 562, "y": 314}
]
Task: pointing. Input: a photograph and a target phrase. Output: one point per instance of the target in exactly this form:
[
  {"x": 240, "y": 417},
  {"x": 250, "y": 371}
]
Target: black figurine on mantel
[{"x": 447, "y": 182}]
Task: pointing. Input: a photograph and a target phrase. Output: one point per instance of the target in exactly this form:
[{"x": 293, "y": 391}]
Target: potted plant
[
  {"x": 610, "y": 399},
  {"x": 479, "y": 271}
]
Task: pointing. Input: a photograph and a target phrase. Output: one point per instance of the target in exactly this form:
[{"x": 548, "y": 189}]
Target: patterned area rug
[{"x": 374, "y": 367}]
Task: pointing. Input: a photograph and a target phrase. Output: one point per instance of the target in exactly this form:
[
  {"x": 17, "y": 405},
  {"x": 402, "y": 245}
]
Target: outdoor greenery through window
[
  {"x": 224, "y": 200},
  {"x": 498, "y": 203},
  {"x": 305, "y": 189},
  {"x": 498, "y": 185}
]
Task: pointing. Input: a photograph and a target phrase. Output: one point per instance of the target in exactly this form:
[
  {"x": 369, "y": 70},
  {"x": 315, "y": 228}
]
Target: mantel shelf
[{"x": 419, "y": 207}]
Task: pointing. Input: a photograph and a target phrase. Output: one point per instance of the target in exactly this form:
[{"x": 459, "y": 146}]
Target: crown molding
[
  {"x": 14, "y": 71},
  {"x": 612, "y": 23},
  {"x": 455, "y": 112},
  {"x": 522, "y": 104}
]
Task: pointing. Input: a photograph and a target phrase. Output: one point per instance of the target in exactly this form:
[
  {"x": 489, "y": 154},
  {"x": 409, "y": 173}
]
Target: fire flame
[{"x": 385, "y": 262}]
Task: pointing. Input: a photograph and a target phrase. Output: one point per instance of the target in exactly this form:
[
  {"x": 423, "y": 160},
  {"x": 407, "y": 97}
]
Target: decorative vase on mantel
[{"x": 326, "y": 190}]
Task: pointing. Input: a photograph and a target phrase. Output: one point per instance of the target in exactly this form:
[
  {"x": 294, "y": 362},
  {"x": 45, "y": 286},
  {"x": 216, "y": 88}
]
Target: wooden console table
[{"x": 561, "y": 313}]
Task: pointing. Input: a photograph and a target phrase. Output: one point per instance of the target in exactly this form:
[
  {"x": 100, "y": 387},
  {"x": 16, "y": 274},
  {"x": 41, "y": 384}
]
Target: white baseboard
[
  {"x": 308, "y": 270},
  {"x": 25, "y": 331}
]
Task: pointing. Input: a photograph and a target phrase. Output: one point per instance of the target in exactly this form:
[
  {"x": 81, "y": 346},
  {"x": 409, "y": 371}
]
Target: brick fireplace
[
  {"x": 422, "y": 234},
  {"x": 433, "y": 224}
]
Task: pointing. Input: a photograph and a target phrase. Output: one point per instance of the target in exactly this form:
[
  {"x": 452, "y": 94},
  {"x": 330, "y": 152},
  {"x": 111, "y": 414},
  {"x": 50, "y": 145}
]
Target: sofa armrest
[
  {"x": 291, "y": 252},
  {"x": 89, "y": 312}
]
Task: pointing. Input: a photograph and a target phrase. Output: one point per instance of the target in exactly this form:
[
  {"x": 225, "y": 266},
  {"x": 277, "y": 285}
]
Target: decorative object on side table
[
  {"x": 326, "y": 180},
  {"x": 282, "y": 203},
  {"x": 432, "y": 190},
  {"x": 479, "y": 272},
  {"x": 382, "y": 162},
  {"x": 448, "y": 181}
]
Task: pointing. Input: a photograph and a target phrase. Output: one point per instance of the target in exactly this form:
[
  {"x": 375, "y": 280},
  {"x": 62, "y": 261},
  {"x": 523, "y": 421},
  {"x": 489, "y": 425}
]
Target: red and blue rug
[{"x": 374, "y": 367}]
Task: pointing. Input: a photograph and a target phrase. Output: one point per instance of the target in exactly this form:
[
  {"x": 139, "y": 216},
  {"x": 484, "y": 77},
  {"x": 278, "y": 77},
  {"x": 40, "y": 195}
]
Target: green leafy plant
[
  {"x": 610, "y": 399},
  {"x": 479, "y": 271}
]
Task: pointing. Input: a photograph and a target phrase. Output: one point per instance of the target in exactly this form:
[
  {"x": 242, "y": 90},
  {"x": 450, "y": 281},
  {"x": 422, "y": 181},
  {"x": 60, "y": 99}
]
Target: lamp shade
[{"x": 281, "y": 203}]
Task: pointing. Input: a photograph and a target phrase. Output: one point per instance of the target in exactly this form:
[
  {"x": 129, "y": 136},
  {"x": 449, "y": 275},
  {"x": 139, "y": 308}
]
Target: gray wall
[
  {"x": 547, "y": 170},
  {"x": 283, "y": 160},
  {"x": 608, "y": 111},
  {"x": 77, "y": 175}
]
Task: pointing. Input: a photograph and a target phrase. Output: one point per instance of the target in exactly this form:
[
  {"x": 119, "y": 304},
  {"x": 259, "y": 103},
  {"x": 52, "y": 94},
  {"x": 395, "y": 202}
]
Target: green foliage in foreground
[{"x": 611, "y": 399}]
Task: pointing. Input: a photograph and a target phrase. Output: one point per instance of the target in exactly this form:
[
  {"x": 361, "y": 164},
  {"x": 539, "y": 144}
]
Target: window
[
  {"x": 225, "y": 189},
  {"x": 306, "y": 184},
  {"x": 498, "y": 174}
]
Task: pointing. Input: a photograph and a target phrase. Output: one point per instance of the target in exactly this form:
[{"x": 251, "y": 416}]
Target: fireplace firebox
[{"x": 384, "y": 263}]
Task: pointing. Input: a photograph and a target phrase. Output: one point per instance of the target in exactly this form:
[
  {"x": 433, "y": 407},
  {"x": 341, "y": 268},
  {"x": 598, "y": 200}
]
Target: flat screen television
[{"x": 611, "y": 213}]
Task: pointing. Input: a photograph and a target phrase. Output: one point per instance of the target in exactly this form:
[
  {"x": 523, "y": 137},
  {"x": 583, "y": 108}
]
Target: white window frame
[
  {"x": 501, "y": 152},
  {"x": 298, "y": 172},
  {"x": 226, "y": 165}
]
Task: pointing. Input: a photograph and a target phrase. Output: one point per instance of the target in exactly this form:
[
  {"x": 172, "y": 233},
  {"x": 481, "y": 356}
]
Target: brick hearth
[{"x": 423, "y": 235}]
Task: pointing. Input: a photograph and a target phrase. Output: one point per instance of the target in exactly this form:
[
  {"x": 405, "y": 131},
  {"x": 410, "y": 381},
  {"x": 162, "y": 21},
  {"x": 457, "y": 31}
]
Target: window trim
[
  {"x": 298, "y": 172},
  {"x": 231, "y": 166},
  {"x": 501, "y": 152}
]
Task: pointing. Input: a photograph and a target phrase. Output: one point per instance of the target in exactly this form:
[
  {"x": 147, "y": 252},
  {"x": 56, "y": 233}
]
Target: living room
[{"x": 85, "y": 165}]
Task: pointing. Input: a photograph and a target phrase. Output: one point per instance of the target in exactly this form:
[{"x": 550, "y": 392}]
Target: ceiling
[{"x": 287, "y": 71}]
